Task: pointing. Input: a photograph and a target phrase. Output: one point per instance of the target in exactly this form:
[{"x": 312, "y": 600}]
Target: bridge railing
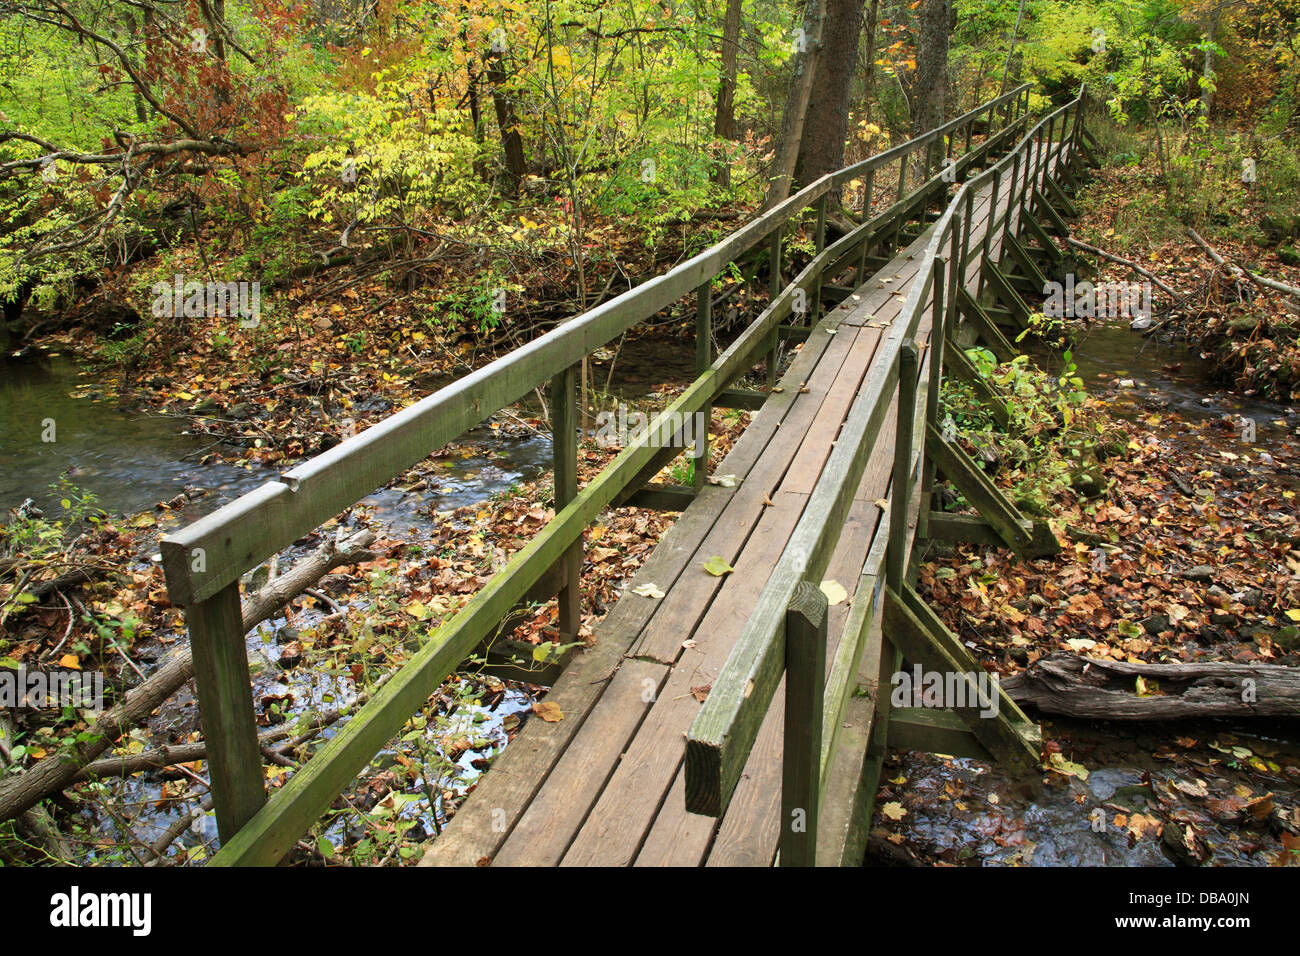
[
  {"x": 205, "y": 560},
  {"x": 785, "y": 635}
]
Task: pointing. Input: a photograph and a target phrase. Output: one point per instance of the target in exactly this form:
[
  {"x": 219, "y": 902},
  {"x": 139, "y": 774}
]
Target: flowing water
[{"x": 56, "y": 425}]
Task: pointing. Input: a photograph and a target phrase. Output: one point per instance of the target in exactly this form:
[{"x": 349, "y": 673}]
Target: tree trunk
[
  {"x": 796, "y": 104},
  {"x": 1207, "y": 68},
  {"x": 512, "y": 143},
  {"x": 821, "y": 147},
  {"x": 1063, "y": 683},
  {"x": 724, "y": 120},
  {"x": 1011, "y": 49},
  {"x": 931, "y": 71},
  {"x": 869, "y": 77}
]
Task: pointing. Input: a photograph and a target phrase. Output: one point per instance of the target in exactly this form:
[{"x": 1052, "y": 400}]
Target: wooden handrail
[{"x": 203, "y": 561}]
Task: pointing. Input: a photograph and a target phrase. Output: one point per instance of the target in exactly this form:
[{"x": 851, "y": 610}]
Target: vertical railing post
[
  {"x": 940, "y": 316},
  {"x": 773, "y": 290},
  {"x": 866, "y": 194},
  {"x": 226, "y": 709},
  {"x": 993, "y": 209},
  {"x": 965, "y": 233},
  {"x": 805, "y": 693},
  {"x": 564, "y": 450},
  {"x": 1013, "y": 193},
  {"x": 815, "y": 307},
  {"x": 901, "y": 488},
  {"x": 703, "y": 359},
  {"x": 902, "y": 186}
]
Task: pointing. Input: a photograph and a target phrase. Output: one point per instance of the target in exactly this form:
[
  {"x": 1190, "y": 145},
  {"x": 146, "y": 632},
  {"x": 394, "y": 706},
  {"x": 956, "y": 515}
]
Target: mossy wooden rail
[
  {"x": 723, "y": 734},
  {"x": 205, "y": 560}
]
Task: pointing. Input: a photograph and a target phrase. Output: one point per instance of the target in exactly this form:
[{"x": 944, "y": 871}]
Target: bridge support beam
[
  {"x": 992, "y": 718},
  {"x": 984, "y": 328},
  {"x": 1001, "y": 290},
  {"x": 1054, "y": 221},
  {"x": 1016, "y": 531}
]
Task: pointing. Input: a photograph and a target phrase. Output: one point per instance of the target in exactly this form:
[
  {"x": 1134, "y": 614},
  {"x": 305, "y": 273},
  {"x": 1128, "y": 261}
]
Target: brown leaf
[{"x": 549, "y": 711}]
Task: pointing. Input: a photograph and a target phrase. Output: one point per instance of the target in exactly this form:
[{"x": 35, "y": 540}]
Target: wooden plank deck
[{"x": 605, "y": 785}]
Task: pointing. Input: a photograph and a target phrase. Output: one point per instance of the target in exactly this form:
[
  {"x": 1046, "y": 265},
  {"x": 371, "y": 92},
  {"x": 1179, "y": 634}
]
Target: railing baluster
[
  {"x": 773, "y": 290},
  {"x": 226, "y": 709},
  {"x": 703, "y": 358},
  {"x": 564, "y": 449},
  {"x": 901, "y": 487},
  {"x": 805, "y": 695}
]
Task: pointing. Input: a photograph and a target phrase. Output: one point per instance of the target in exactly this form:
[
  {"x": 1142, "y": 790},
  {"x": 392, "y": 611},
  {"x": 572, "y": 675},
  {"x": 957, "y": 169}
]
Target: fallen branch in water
[{"x": 21, "y": 793}]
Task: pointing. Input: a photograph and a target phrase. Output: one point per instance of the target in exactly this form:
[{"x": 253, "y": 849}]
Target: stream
[{"x": 132, "y": 460}]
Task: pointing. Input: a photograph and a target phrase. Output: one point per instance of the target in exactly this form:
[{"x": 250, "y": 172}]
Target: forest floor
[{"x": 1181, "y": 544}]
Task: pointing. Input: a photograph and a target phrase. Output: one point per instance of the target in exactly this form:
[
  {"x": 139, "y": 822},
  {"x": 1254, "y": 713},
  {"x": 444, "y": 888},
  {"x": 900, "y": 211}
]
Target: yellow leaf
[
  {"x": 893, "y": 811},
  {"x": 70, "y": 661},
  {"x": 834, "y": 592},
  {"x": 549, "y": 711}
]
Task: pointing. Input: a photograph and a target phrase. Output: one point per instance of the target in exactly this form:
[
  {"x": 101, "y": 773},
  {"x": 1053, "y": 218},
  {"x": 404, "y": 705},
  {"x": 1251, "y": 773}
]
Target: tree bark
[
  {"x": 928, "y": 100},
  {"x": 1064, "y": 683},
  {"x": 796, "y": 104},
  {"x": 821, "y": 147},
  {"x": 724, "y": 117},
  {"x": 512, "y": 143},
  {"x": 21, "y": 793}
]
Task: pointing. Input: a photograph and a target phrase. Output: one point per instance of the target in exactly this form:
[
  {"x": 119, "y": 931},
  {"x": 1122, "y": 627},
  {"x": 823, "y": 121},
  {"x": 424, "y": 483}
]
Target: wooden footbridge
[{"x": 735, "y": 719}]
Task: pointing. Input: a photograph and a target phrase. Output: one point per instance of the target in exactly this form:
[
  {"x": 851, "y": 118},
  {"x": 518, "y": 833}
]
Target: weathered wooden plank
[
  {"x": 805, "y": 692},
  {"x": 501, "y": 796},
  {"x": 934, "y": 731},
  {"x": 543, "y": 833},
  {"x": 674, "y": 837},
  {"x": 226, "y": 709},
  {"x": 618, "y": 824}
]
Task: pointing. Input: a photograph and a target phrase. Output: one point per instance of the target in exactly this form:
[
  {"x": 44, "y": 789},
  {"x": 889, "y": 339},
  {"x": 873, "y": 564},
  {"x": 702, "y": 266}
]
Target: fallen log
[
  {"x": 21, "y": 793},
  {"x": 1067, "y": 684}
]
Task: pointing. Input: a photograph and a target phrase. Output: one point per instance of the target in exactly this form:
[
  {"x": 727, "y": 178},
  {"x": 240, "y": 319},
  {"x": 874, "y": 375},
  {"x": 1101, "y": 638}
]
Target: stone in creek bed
[
  {"x": 1156, "y": 623},
  {"x": 1202, "y": 572},
  {"x": 290, "y": 656},
  {"x": 286, "y": 635},
  {"x": 1223, "y": 619}
]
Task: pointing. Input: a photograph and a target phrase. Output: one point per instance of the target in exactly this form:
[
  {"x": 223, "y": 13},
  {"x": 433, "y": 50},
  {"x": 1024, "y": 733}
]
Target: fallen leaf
[
  {"x": 834, "y": 592},
  {"x": 549, "y": 711},
  {"x": 717, "y": 566},
  {"x": 648, "y": 590}
]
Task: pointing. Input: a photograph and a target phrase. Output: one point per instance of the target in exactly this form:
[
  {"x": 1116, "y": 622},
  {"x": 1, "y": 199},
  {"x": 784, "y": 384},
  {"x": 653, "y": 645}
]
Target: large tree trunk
[
  {"x": 1063, "y": 683},
  {"x": 931, "y": 71},
  {"x": 724, "y": 119},
  {"x": 796, "y": 104},
  {"x": 821, "y": 147}
]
